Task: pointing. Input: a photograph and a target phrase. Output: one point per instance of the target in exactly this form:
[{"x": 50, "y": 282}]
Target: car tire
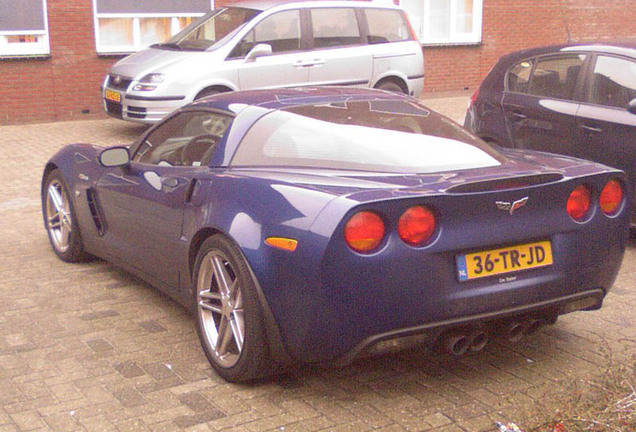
[
  {"x": 206, "y": 92},
  {"x": 60, "y": 220},
  {"x": 390, "y": 86},
  {"x": 229, "y": 318}
]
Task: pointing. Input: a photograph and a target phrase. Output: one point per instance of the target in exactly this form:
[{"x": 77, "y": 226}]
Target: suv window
[
  {"x": 333, "y": 27},
  {"x": 281, "y": 31},
  {"x": 555, "y": 77},
  {"x": 188, "y": 139},
  {"x": 386, "y": 26},
  {"x": 519, "y": 76},
  {"x": 613, "y": 82}
]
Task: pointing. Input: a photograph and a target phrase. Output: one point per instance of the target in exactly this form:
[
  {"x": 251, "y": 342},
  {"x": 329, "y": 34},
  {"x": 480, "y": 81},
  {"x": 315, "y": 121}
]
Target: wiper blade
[{"x": 169, "y": 45}]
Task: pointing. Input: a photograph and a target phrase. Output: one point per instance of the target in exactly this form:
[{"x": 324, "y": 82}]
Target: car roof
[
  {"x": 268, "y": 4},
  {"x": 625, "y": 47},
  {"x": 288, "y": 97}
]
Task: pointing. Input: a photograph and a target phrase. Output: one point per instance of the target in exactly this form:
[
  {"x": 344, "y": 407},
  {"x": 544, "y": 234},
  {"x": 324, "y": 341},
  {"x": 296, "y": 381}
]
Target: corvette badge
[{"x": 511, "y": 207}]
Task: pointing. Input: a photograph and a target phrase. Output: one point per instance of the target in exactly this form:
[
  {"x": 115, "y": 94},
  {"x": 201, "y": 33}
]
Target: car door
[
  {"x": 285, "y": 66},
  {"x": 339, "y": 55},
  {"x": 143, "y": 202},
  {"x": 606, "y": 129},
  {"x": 540, "y": 103}
]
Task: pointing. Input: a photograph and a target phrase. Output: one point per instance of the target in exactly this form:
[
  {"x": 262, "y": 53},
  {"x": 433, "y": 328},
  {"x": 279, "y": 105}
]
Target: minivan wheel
[
  {"x": 207, "y": 92},
  {"x": 390, "y": 86},
  {"x": 229, "y": 319}
]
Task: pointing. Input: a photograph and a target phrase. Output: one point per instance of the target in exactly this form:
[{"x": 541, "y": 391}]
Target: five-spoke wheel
[
  {"x": 59, "y": 219},
  {"x": 229, "y": 317}
]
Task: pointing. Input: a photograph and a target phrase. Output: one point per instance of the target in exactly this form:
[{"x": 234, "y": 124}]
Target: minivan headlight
[{"x": 149, "y": 82}]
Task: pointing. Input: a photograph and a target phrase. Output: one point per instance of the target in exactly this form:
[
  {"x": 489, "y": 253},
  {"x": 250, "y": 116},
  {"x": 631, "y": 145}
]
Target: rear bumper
[{"x": 494, "y": 324}]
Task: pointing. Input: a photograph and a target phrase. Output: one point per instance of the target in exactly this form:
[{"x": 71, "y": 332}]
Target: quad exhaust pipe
[
  {"x": 517, "y": 330},
  {"x": 458, "y": 343},
  {"x": 475, "y": 339}
]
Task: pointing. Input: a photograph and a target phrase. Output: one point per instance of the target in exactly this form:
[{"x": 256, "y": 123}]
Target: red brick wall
[
  {"x": 65, "y": 85},
  {"x": 509, "y": 25}
]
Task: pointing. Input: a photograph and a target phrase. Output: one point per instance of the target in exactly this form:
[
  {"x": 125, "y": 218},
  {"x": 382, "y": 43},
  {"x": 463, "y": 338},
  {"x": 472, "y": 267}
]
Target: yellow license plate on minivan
[
  {"x": 112, "y": 96},
  {"x": 504, "y": 260}
]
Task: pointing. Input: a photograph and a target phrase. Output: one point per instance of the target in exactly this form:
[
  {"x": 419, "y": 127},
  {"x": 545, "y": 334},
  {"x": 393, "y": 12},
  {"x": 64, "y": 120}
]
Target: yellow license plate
[
  {"x": 113, "y": 96},
  {"x": 505, "y": 260}
]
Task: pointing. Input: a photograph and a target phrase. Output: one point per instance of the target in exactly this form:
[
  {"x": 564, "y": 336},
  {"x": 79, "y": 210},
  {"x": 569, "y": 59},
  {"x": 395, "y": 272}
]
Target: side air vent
[
  {"x": 93, "y": 206},
  {"x": 504, "y": 184}
]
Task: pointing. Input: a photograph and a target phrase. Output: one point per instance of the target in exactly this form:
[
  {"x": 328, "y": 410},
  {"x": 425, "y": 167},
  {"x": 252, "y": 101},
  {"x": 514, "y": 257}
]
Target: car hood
[{"x": 148, "y": 60}]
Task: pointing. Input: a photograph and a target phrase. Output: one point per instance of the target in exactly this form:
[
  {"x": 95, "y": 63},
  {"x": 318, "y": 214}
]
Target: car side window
[
  {"x": 613, "y": 82},
  {"x": 518, "y": 77},
  {"x": 187, "y": 139},
  {"x": 334, "y": 27},
  {"x": 386, "y": 26},
  {"x": 556, "y": 77},
  {"x": 281, "y": 31}
]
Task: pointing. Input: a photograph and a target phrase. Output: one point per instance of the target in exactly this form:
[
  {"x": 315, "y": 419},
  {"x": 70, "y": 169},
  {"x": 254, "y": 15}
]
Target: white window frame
[
  {"x": 420, "y": 20},
  {"x": 136, "y": 28},
  {"x": 40, "y": 47}
]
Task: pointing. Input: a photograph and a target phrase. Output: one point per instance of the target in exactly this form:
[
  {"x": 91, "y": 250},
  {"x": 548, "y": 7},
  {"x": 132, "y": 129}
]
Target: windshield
[
  {"x": 393, "y": 136},
  {"x": 210, "y": 29}
]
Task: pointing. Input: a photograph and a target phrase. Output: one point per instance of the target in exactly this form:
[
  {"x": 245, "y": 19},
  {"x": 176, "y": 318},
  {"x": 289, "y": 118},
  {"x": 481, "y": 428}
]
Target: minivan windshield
[{"x": 210, "y": 30}]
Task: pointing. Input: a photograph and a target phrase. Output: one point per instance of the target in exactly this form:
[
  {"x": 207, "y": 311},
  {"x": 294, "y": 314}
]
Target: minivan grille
[{"x": 114, "y": 108}]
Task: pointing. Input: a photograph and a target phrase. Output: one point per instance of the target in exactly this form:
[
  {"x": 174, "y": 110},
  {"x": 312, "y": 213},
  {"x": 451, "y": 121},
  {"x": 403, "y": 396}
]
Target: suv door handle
[
  {"x": 590, "y": 128},
  {"x": 519, "y": 115}
]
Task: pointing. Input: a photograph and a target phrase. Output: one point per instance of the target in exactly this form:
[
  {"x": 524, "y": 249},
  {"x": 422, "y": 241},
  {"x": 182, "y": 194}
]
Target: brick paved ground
[{"x": 90, "y": 348}]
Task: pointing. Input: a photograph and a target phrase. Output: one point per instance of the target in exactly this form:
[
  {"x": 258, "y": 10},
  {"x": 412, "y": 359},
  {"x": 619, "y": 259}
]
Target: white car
[{"x": 268, "y": 45}]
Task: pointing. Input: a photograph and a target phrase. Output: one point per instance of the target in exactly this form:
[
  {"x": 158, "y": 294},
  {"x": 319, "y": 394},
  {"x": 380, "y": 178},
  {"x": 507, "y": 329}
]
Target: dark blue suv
[{"x": 574, "y": 99}]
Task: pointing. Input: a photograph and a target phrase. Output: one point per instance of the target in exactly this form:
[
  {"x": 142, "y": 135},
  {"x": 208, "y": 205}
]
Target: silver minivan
[{"x": 265, "y": 45}]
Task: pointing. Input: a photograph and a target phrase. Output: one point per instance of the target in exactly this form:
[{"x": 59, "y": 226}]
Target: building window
[
  {"x": 445, "y": 22},
  {"x": 25, "y": 32},
  {"x": 122, "y": 26}
]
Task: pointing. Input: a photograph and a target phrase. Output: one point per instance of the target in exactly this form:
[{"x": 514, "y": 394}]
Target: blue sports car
[{"x": 322, "y": 225}]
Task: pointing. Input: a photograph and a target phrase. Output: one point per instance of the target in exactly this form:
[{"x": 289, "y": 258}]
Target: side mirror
[
  {"x": 260, "y": 50},
  {"x": 631, "y": 107},
  {"x": 114, "y": 157}
]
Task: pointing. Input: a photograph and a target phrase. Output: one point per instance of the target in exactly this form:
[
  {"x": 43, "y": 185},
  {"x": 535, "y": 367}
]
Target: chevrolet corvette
[{"x": 321, "y": 225}]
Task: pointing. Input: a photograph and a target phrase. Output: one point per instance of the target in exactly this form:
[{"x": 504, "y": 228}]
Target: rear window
[
  {"x": 387, "y": 26},
  {"x": 334, "y": 27},
  {"x": 379, "y": 135}
]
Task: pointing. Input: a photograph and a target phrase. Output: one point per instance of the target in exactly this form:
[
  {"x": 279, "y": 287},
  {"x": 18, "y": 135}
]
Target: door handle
[
  {"x": 519, "y": 115},
  {"x": 590, "y": 128},
  {"x": 309, "y": 63}
]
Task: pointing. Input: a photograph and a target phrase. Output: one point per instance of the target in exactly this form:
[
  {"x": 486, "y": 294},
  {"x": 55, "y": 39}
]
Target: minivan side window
[
  {"x": 556, "y": 77},
  {"x": 334, "y": 27},
  {"x": 386, "y": 26},
  {"x": 281, "y": 31},
  {"x": 613, "y": 82}
]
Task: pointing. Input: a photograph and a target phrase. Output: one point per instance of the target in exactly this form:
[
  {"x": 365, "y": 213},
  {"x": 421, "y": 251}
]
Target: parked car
[
  {"x": 325, "y": 224},
  {"x": 574, "y": 99},
  {"x": 268, "y": 45}
]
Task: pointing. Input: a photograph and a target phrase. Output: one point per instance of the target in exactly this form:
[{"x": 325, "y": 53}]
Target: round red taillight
[
  {"x": 579, "y": 203},
  {"x": 611, "y": 197},
  {"x": 364, "y": 231},
  {"x": 416, "y": 225}
]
